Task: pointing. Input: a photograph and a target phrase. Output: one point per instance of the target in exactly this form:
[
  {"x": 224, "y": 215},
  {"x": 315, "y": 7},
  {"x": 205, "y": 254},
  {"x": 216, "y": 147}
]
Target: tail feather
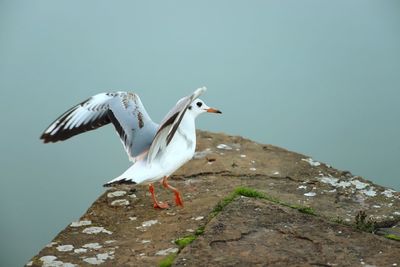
[{"x": 119, "y": 182}]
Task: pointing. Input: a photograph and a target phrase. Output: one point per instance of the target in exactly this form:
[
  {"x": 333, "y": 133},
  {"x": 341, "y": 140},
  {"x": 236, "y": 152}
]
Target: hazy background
[{"x": 318, "y": 77}]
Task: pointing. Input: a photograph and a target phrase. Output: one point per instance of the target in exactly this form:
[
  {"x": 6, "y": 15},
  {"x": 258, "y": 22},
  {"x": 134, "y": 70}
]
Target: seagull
[{"x": 156, "y": 151}]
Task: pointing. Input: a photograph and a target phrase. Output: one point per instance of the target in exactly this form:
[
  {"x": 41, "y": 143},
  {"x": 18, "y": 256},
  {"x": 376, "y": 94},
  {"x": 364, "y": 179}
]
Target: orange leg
[
  {"x": 178, "y": 198},
  {"x": 157, "y": 205}
]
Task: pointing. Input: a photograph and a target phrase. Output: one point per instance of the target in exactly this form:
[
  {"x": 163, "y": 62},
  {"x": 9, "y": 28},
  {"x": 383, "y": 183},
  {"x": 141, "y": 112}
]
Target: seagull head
[{"x": 198, "y": 106}]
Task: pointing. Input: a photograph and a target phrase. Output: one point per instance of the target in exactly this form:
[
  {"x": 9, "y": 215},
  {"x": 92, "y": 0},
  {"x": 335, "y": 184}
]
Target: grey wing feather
[
  {"x": 170, "y": 124},
  {"x": 124, "y": 110}
]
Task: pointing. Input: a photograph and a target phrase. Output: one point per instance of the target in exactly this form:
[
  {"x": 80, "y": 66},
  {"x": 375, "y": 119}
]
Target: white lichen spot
[
  {"x": 252, "y": 169},
  {"x": 64, "y": 248},
  {"x": 132, "y": 196},
  {"x": 110, "y": 241},
  {"x": 133, "y": 218},
  {"x": 310, "y": 194},
  {"x": 92, "y": 246},
  {"x": 359, "y": 184},
  {"x": 145, "y": 241},
  {"x": 223, "y": 146},
  {"x": 190, "y": 230},
  {"x": 396, "y": 213},
  {"x": 80, "y": 250},
  {"x": 51, "y": 244},
  {"x": 276, "y": 173},
  {"x": 116, "y": 194},
  {"x": 334, "y": 182},
  {"x": 95, "y": 230},
  {"x": 376, "y": 206},
  {"x": 369, "y": 192},
  {"x": 243, "y": 156},
  {"x": 149, "y": 223},
  {"x": 312, "y": 162},
  {"x": 100, "y": 258},
  {"x": 105, "y": 256},
  {"x": 302, "y": 187},
  {"x": 50, "y": 261},
  {"x": 120, "y": 202},
  {"x": 166, "y": 251},
  {"x": 81, "y": 223},
  {"x": 93, "y": 260},
  {"x": 199, "y": 218},
  {"x": 202, "y": 154},
  {"x": 388, "y": 193}
]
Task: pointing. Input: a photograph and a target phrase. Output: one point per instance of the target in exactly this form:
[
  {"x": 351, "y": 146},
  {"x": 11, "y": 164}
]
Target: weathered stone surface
[
  {"x": 251, "y": 232},
  {"x": 222, "y": 164}
]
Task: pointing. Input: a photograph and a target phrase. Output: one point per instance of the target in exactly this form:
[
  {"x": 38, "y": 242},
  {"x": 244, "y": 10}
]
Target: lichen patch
[
  {"x": 95, "y": 230},
  {"x": 81, "y": 223},
  {"x": 312, "y": 162},
  {"x": 120, "y": 202},
  {"x": 224, "y": 147},
  {"x": 99, "y": 258},
  {"x": 80, "y": 250},
  {"x": 50, "y": 261},
  {"x": 92, "y": 246},
  {"x": 65, "y": 248},
  {"x": 167, "y": 251},
  {"x": 116, "y": 194}
]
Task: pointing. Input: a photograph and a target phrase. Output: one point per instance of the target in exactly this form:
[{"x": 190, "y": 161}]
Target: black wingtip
[{"x": 47, "y": 138}]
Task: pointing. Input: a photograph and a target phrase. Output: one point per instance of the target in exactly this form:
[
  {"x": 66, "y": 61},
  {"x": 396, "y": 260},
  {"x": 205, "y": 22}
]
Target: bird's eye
[
  {"x": 190, "y": 107},
  {"x": 199, "y": 104}
]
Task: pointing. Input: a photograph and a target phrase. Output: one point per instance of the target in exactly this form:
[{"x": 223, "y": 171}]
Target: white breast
[{"x": 181, "y": 149}]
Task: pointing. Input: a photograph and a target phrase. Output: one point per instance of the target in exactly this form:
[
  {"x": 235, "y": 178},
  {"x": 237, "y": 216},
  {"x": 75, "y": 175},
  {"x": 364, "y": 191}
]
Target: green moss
[
  {"x": 248, "y": 192},
  {"x": 199, "y": 231},
  {"x": 393, "y": 237},
  {"x": 184, "y": 241},
  {"x": 222, "y": 204},
  {"x": 306, "y": 210},
  {"x": 167, "y": 261}
]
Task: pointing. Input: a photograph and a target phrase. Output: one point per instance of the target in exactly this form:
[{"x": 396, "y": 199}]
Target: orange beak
[{"x": 213, "y": 110}]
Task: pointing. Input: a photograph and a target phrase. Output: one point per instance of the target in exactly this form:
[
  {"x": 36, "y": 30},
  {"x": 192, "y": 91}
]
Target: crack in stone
[{"x": 232, "y": 239}]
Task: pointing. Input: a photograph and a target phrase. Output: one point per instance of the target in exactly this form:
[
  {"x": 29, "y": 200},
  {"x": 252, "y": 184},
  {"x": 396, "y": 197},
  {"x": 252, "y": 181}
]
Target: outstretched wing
[
  {"x": 170, "y": 124},
  {"x": 124, "y": 110}
]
